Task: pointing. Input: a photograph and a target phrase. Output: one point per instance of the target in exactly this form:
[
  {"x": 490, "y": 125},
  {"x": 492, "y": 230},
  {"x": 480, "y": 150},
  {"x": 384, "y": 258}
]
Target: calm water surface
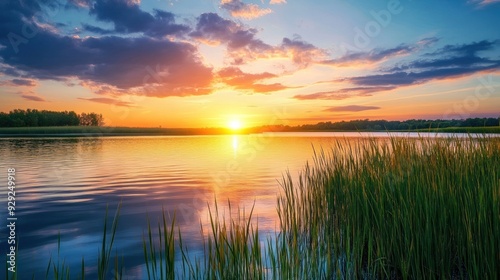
[{"x": 65, "y": 184}]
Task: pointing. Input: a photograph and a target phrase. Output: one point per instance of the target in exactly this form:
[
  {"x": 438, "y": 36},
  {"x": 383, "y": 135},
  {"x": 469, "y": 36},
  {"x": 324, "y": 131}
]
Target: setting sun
[{"x": 235, "y": 124}]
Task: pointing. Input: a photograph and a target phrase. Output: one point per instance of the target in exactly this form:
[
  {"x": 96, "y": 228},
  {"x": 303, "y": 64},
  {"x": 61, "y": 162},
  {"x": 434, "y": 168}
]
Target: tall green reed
[{"x": 399, "y": 207}]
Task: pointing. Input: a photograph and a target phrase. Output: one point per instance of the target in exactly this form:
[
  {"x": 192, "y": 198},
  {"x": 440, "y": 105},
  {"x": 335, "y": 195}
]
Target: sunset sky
[{"x": 207, "y": 63}]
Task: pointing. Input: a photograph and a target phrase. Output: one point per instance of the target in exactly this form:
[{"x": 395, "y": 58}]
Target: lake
[{"x": 65, "y": 184}]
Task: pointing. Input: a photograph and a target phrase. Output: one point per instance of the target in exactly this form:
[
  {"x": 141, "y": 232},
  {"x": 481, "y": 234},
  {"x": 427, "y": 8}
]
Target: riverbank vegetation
[{"x": 96, "y": 131}]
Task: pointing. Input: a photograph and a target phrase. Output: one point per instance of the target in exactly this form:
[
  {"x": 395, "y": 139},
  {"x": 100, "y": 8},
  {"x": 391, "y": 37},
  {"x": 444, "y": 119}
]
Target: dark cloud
[
  {"x": 32, "y": 97},
  {"x": 243, "y": 46},
  {"x": 119, "y": 62},
  {"x": 236, "y": 78},
  {"x": 214, "y": 29},
  {"x": 10, "y": 71},
  {"x": 23, "y": 82},
  {"x": 109, "y": 101},
  {"x": 394, "y": 79},
  {"x": 26, "y": 8},
  {"x": 77, "y": 4},
  {"x": 150, "y": 64},
  {"x": 242, "y": 10},
  {"x": 125, "y": 62},
  {"x": 351, "y": 108},
  {"x": 377, "y": 55},
  {"x": 344, "y": 93},
  {"x": 127, "y": 17},
  {"x": 96, "y": 29},
  {"x": 450, "y": 61},
  {"x": 12, "y": 15}
]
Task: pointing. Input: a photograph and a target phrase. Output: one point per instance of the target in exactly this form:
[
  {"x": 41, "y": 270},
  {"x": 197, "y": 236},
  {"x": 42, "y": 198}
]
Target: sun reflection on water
[{"x": 235, "y": 145}]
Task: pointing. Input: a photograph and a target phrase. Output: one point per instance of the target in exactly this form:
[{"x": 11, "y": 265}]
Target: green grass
[
  {"x": 397, "y": 208},
  {"x": 405, "y": 209}
]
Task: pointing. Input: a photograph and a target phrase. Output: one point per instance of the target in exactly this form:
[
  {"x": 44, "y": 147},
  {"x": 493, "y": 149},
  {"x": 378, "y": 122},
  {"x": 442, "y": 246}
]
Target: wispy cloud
[
  {"x": 109, "y": 101},
  {"x": 451, "y": 61},
  {"x": 30, "y": 96},
  {"x": 448, "y": 62},
  {"x": 96, "y": 29},
  {"x": 239, "y": 9},
  {"x": 351, "y": 108},
  {"x": 373, "y": 56},
  {"x": 236, "y": 78},
  {"x": 379, "y": 54},
  {"x": 344, "y": 93},
  {"x": 483, "y": 3},
  {"x": 22, "y": 82}
]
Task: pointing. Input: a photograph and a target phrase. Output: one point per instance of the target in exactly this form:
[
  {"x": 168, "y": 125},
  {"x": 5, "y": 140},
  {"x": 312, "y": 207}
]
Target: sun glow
[{"x": 235, "y": 124}]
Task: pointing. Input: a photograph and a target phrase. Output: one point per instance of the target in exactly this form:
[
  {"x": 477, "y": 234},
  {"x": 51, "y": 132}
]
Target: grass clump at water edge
[
  {"x": 400, "y": 209},
  {"x": 396, "y": 208}
]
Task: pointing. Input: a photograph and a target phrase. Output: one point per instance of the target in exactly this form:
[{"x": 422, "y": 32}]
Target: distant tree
[
  {"x": 403, "y": 126},
  {"x": 4, "y": 120},
  {"x": 492, "y": 122},
  {"x": 91, "y": 119},
  {"x": 72, "y": 118},
  {"x": 84, "y": 119},
  {"x": 33, "y": 117}
]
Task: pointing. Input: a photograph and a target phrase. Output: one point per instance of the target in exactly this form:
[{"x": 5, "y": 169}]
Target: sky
[{"x": 213, "y": 63}]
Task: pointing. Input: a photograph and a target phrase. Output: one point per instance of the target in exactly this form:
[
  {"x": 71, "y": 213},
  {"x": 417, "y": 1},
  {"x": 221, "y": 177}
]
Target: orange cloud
[
  {"x": 343, "y": 93},
  {"x": 236, "y": 78},
  {"x": 242, "y": 10}
]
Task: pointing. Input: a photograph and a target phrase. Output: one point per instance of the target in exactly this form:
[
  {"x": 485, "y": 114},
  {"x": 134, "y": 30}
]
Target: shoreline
[{"x": 78, "y": 131}]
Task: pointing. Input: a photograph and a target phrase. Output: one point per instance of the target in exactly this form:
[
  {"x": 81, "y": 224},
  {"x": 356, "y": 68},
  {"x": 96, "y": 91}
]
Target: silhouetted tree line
[
  {"x": 400, "y": 125},
  {"x": 33, "y": 117},
  {"x": 383, "y": 125}
]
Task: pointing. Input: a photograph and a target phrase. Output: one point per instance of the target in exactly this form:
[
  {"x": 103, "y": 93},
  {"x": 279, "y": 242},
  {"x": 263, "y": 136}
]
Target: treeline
[
  {"x": 384, "y": 125},
  {"x": 34, "y": 118},
  {"x": 399, "y": 125}
]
